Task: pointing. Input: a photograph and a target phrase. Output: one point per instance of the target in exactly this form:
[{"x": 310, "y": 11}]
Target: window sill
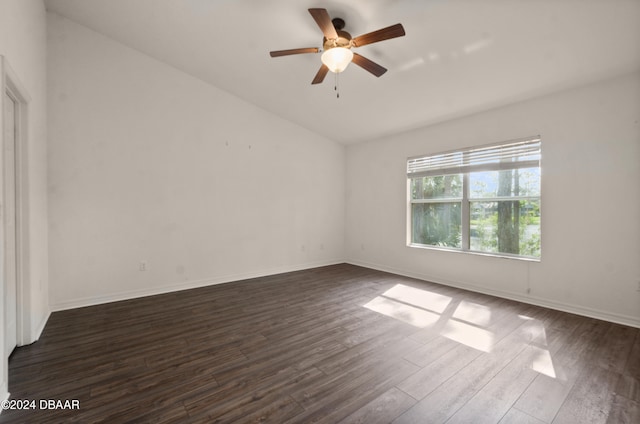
[{"x": 474, "y": 253}]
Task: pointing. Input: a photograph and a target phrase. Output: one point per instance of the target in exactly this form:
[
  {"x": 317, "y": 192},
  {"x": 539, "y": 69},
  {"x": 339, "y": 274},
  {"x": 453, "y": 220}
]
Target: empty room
[{"x": 412, "y": 211}]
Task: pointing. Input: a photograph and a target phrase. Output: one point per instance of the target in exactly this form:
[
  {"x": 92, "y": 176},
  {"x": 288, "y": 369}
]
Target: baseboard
[
  {"x": 532, "y": 300},
  {"x": 40, "y": 327},
  {"x": 185, "y": 285}
]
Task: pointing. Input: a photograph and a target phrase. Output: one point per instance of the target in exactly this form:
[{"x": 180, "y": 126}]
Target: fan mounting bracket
[{"x": 338, "y": 23}]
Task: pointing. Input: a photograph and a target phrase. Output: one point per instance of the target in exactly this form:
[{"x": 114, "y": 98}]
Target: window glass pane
[
  {"x": 443, "y": 186},
  {"x": 436, "y": 224},
  {"x": 516, "y": 182},
  {"x": 506, "y": 227}
]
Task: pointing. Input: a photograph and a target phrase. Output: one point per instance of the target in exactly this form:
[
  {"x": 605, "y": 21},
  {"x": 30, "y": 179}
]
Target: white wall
[
  {"x": 149, "y": 164},
  {"x": 23, "y": 45},
  {"x": 590, "y": 202}
]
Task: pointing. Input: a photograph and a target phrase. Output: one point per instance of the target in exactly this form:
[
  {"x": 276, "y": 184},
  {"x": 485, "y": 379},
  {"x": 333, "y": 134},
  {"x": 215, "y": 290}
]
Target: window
[{"x": 484, "y": 199}]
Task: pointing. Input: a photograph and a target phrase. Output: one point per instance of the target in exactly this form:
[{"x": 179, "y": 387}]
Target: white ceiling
[{"x": 458, "y": 57}]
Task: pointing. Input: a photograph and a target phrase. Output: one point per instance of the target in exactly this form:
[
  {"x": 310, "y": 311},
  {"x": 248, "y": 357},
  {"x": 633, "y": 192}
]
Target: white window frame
[{"x": 493, "y": 157}]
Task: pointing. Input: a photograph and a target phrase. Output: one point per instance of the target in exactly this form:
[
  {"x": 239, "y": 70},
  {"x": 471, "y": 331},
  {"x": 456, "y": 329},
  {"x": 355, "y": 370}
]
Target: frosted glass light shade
[{"x": 337, "y": 59}]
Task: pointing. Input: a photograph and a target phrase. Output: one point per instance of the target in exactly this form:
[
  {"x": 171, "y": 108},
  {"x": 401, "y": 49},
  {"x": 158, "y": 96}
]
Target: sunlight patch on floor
[
  {"x": 421, "y": 298},
  {"x": 473, "y": 313},
  {"x": 465, "y": 325},
  {"x": 469, "y": 335},
  {"x": 402, "y": 312},
  {"x": 543, "y": 363}
]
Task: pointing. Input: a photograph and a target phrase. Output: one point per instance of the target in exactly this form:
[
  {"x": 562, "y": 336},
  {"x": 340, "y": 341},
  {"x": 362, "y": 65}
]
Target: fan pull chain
[{"x": 336, "y": 86}]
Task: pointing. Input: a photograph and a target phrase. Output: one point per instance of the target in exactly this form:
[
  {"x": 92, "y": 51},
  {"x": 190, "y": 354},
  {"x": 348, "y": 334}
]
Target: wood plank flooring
[{"x": 337, "y": 344}]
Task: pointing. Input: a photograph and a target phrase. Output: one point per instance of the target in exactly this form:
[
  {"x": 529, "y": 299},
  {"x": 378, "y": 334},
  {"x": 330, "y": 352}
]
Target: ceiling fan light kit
[
  {"x": 337, "y": 45},
  {"x": 337, "y": 59}
]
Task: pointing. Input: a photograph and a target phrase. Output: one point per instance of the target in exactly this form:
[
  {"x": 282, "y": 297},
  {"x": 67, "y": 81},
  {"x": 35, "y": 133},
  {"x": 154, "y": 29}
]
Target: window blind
[{"x": 515, "y": 154}]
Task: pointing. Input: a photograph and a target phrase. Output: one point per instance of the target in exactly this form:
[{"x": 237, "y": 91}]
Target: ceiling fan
[{"x": 337, "y": 45}]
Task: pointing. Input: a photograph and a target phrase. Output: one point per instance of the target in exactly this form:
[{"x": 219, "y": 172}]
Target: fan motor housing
[{"x": 343, "y": 40}]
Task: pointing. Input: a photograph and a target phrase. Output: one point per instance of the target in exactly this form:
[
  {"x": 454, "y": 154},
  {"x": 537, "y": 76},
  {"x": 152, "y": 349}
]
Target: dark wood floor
[{"x": 339, "y": 344}]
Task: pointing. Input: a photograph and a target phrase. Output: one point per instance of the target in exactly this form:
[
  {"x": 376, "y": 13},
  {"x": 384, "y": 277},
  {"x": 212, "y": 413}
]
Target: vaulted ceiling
[{"x": 458, "y": 56}]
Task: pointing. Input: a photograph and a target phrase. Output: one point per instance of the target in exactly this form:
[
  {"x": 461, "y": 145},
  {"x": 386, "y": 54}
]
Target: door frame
[{"x": 10, "y": 84}]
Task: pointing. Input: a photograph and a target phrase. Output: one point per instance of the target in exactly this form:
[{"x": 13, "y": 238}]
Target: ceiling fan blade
[
  {"x": 368, "y": 65},
  {"x": 321, "y": 16},
  {"x": 278, "y": 53},
  {"x": 322, "y": 72},
  {"x": 387, "y": 33}
]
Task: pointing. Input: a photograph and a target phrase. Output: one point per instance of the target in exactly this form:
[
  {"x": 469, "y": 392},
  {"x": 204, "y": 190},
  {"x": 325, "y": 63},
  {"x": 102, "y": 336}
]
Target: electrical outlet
[{"x": 143, "y": 266}]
